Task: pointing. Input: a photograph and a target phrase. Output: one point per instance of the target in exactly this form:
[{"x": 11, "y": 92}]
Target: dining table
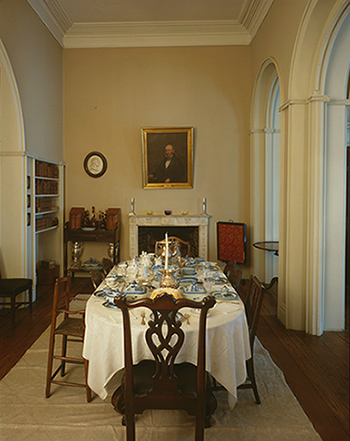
[{"x": 227, "y": 334}]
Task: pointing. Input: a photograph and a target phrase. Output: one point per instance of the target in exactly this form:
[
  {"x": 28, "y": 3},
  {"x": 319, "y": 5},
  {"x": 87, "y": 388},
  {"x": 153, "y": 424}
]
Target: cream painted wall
[
  {"x": 37, "y": 62},
  {"x": 110, "y": 94},
  {"x": 35, "y": 67},
  {"x": 276, "y": 39}
]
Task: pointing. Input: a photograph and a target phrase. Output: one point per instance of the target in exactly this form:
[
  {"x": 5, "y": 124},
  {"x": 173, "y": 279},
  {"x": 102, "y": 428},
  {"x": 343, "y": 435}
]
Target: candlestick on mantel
[
  {"x": 132, "y": 205},
  {"x": 204, "y": 206},
  {"x": 166, "y": 251}
]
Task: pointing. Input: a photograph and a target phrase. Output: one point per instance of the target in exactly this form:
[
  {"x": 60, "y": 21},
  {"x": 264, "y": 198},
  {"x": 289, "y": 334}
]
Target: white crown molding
[
  {"x": 53, "y": 16},
  {"x": 253, "y": 14},
  {"x": 147, "y": 34}
]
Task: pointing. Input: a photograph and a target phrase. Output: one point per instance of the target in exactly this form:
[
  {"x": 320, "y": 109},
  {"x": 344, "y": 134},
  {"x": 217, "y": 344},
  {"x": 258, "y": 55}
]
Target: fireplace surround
[{"x": 144, "y": 230}]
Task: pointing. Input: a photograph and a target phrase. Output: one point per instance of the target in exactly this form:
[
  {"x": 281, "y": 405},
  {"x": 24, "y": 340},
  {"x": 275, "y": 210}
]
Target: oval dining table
[{"x": 227, "y": 343}]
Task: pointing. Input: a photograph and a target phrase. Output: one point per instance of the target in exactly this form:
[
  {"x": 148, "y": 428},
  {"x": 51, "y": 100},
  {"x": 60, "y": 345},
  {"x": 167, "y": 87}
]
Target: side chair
[
  {"x": 160, "y": 383},
  {"x": 253, "y": 303},
  {"x": 72, "y": 330},
  {"x": 10, "y": 288},
  {"x": 107, "y": 265},
  {"x": 185, "y": 247},
  {"x": 97, "y": 277},
  {"x": 233, "y": 274}
]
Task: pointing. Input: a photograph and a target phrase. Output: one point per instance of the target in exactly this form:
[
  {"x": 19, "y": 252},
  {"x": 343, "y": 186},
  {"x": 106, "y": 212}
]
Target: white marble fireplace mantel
[{"x": 197, "y": 220}]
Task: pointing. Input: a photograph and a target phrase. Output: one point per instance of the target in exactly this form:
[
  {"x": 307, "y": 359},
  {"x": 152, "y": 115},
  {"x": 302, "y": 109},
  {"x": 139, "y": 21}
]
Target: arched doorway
[
  {"x": 316, "y": 302},
  {"x": 265, "y": 168},
  {"x": 272, "y": 177}
]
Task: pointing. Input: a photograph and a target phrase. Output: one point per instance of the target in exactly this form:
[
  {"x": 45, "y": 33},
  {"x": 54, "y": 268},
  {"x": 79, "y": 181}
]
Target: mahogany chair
[
  {"x": 72, "y": 330},
  {"x": 234, "y": 275},
  {"x": 97, "y": 277},
  {"x": 253, "y": 303},
  {"x": 235, "y": 278},
  {"x": 10, "y": 288},
  {"x": 185, "y": 247},
  {"x": 107, "y": 265},
  {"x": 160, "y": 383},
  {"x": 230, "y": 266}
]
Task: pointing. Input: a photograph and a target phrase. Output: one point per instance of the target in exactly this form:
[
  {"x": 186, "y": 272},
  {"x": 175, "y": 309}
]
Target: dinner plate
[
  {"x": 227, "y": 296},
  {"x": 188, "y": 279},
  {"x": 195, "y": 297}
]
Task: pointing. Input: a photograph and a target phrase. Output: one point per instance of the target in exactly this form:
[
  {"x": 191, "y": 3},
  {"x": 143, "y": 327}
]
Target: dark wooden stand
[
  {"x": 273, "y": 247},
  {"x": 107, "y": 236}
]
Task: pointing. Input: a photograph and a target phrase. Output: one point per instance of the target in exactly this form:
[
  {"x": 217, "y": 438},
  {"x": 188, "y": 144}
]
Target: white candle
[
  {"x": 204, "y": 205},
  {"x": 132, "y": 204},
  {"x": 166, "y": 251}
]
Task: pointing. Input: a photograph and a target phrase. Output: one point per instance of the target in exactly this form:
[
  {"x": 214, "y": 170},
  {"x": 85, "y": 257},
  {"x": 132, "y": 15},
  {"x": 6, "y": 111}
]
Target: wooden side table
[{"x": 108, "y": 236}]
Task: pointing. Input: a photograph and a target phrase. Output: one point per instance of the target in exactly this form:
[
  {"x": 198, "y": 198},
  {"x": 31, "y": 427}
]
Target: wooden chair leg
[
  {"x": 64, "y": 353},
  {"x": 49, "y": 366},
  {"x": 130, "y": 427},
  {"x": 13, "y": 311},
  {"x": 88, "y": 390},
  {"x": 30, "y": 299},
  {"x": 200, "y": 423},
  {"x": 251, "y": 374}
]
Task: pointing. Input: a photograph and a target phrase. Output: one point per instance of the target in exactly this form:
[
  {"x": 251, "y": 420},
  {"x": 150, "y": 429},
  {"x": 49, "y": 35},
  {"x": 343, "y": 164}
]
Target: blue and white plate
[
  {"x": 135, "y": 289},
  {"x": 225, "y": 295},
  {"x": 187, "y": 281},
  {"x": 194, "y": 289}
]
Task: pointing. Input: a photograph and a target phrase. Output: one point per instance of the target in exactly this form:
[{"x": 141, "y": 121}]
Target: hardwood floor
[{"x": 316, "y": 368}]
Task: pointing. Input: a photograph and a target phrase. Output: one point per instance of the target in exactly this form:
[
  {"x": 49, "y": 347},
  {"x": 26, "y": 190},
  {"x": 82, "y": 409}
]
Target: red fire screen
[{"x": 231, "y": 237}]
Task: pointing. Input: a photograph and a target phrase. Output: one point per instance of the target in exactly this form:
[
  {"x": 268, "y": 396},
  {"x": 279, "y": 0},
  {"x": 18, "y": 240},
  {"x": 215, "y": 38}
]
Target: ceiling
[{"x": 142, "y": 23}]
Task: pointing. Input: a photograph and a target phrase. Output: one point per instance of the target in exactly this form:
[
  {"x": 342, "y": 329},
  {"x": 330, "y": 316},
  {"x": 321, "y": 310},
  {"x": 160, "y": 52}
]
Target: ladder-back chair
[{"x": 71, "y": 328}]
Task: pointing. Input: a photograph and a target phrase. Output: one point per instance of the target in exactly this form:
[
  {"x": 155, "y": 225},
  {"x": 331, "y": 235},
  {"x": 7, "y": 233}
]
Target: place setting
[{"x": 151, "y": 274}]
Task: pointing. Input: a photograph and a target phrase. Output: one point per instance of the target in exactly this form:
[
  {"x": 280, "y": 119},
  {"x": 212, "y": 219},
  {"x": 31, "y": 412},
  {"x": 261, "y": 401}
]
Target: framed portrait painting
[{"x": 167, "y": 157}]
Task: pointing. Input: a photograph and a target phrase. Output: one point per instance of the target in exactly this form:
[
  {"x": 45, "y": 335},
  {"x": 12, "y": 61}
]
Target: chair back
[
  {"x": 253, "y": 304},
  {"x": 164, "y": 337},
  {"x": 234, "y": 275},
  {"x": 184, "y": 247},
  {"x": 230, "y": 266},
  {"x": 97, "y": 277},
  {"x": 107, "y": 265},
  {"x": 62, "y": 298}
]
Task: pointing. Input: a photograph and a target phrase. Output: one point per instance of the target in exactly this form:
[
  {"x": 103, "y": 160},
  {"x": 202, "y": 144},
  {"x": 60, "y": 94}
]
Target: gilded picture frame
[{"x": 167, "y": 157}]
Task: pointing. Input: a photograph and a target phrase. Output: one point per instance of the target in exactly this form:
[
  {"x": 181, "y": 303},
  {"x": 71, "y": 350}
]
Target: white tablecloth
[{"x": 227, "y": 344}]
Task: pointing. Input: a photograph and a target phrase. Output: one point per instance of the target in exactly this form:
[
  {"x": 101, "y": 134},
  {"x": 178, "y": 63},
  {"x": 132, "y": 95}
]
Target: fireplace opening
[{"x": 149, "y": 235}]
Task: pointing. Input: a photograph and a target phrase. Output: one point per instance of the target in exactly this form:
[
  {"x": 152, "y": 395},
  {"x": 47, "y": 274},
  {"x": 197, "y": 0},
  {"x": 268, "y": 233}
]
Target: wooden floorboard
[{"x": 315, "y": 368}]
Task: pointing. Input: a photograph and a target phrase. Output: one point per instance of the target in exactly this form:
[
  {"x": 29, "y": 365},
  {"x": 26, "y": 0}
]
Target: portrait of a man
[{"x": 167, "y": 158}]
